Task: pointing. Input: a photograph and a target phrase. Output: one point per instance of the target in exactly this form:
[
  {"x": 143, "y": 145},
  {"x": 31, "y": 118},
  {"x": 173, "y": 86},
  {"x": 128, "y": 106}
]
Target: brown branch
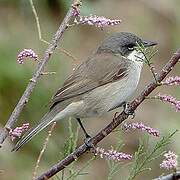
[
  {"x": 33, "y": 81},
  {"x": 40, "y": 33},
  {"x": 173, "y": 176},
  {"x": 116, "y": 121}
]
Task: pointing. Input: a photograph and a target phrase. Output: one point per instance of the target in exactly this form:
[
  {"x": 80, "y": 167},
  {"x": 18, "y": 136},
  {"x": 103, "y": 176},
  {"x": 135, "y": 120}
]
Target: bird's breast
[{"x": 113, "y": 94}]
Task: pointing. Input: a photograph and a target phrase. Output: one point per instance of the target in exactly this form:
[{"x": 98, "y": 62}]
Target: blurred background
[{"x": 154, "y": 20}]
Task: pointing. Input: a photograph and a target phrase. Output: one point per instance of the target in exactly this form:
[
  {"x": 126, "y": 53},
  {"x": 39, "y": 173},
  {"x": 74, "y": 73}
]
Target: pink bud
[{"x": 25, "y": 54}]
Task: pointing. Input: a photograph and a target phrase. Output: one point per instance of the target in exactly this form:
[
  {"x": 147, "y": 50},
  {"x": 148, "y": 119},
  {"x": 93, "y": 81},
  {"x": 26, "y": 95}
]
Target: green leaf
[{"x": 143, "y": 157}]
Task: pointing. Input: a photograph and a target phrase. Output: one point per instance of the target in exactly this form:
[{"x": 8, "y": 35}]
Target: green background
[{"x": 153, "y": 20}]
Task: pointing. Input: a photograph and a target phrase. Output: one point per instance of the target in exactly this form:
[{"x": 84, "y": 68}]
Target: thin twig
[
  {"x": 116, "y": 121},
  {"x": 48, "y": 73},
  {"x": 153, "y": 70},
  {"x": 76, "y": 173},
  {"x": 40, "y": 33},
  {"x": 38, "y": 71},
  {"x": 148, "y": 56},
  {"x": 42, "y": 151}
]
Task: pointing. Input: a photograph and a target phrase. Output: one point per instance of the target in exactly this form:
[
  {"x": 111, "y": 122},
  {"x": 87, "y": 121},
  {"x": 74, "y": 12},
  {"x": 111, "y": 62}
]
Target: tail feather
[{"x": 45, "y": 121}]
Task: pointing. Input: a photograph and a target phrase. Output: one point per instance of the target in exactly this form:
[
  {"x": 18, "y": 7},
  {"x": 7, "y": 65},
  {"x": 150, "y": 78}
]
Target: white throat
[{"x": 136, "y": 57}]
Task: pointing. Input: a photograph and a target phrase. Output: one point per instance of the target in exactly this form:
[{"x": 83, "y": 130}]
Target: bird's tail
[{"x": 47, "y": 119}]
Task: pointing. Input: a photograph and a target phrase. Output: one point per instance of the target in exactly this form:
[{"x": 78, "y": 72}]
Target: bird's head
[{"x": 124, "y": 43}]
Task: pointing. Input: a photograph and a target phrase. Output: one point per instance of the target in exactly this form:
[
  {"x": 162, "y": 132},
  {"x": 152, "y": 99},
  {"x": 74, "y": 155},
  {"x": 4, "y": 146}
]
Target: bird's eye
[{"x": 130, "y": 47}]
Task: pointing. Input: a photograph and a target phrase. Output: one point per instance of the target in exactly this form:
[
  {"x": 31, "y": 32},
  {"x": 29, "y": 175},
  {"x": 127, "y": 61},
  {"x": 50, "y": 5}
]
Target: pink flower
[
  {"x": 76, "y": 11},
  {"x": 172, "y": 81},
  {"x": 96, "y": 21},
  {"x": 17, "y": 132},
  {"x": 170, "y": 161},
  {"x": 170, "y": 99},
  {"x": 112, "y": 154},
  {"x": 25, "y": 54},
  {"x": 142, "y": 127}
]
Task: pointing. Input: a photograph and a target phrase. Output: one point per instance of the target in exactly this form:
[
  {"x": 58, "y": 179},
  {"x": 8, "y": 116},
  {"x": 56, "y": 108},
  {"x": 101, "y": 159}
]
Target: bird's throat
[{"x": 136, "y": 57}]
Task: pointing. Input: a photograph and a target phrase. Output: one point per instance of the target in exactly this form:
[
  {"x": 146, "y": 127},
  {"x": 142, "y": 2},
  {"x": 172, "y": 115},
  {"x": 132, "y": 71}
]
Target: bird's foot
[
  {"x": 128, "y": 110},
  {"x": 116, "y": 115},
  {"x": 88, "y": 142}
]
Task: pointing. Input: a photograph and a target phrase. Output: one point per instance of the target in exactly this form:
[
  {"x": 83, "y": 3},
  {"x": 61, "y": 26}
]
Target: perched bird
[{"x": 103, "y": 82}]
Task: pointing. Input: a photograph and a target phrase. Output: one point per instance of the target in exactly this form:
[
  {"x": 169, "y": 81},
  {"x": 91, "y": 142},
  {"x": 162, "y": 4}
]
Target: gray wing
[{"x": 96, "y": 71}]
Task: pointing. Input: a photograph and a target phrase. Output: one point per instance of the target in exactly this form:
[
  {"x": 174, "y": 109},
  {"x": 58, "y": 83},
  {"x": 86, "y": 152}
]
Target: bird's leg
[
  {"x": 87, "y": 136},
  {"x": 115, "y": 115},
  {"x": 128, "y": 111},
  {"x": 82, "y": 127}
]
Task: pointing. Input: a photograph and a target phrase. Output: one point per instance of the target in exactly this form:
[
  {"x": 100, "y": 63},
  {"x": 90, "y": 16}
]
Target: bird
[{"x": 101, "y": 83}]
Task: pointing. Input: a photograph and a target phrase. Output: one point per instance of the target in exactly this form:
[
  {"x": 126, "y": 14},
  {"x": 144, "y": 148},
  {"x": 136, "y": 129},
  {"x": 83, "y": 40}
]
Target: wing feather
[{"x": 96, "y": 71}]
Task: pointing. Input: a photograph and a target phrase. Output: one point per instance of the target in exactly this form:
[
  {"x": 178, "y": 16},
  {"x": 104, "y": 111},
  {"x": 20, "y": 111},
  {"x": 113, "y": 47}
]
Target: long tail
[{"x": 45, "y": 121}]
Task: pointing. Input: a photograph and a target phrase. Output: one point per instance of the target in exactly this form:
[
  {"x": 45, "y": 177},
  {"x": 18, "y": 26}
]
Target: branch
[
  {"x": 40, "y": 33},
  {"x": 116, "y": 121},
  {"x": 42, "y": 151},
  {"x": 33, "y": 81},
  {"x": 173, "y": 176}
]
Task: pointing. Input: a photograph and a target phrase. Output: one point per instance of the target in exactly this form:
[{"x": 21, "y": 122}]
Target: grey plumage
[{"x": 101, "y": 83}]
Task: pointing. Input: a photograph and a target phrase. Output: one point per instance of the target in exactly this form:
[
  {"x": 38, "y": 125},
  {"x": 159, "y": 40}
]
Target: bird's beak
[{"x": 149, "y": 43}]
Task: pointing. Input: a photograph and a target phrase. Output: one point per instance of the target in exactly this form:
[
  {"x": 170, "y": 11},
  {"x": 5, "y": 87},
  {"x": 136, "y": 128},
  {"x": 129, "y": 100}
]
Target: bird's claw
[
  {"x": 116, "y": 115},
  {"x": 88, "y": 143},
  {"x": 128, "y": 110}
]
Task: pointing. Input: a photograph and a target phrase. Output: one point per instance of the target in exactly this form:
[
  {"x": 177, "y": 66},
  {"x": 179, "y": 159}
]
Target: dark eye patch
[{"x": 130, "y": 47}]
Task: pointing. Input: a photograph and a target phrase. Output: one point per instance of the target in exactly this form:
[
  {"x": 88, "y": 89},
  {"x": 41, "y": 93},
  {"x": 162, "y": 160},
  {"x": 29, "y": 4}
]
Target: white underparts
[
  {"x": 106, "y": 97},
  {"x": 136, "y": 57},
  {"x": 71, "y": 109}
]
